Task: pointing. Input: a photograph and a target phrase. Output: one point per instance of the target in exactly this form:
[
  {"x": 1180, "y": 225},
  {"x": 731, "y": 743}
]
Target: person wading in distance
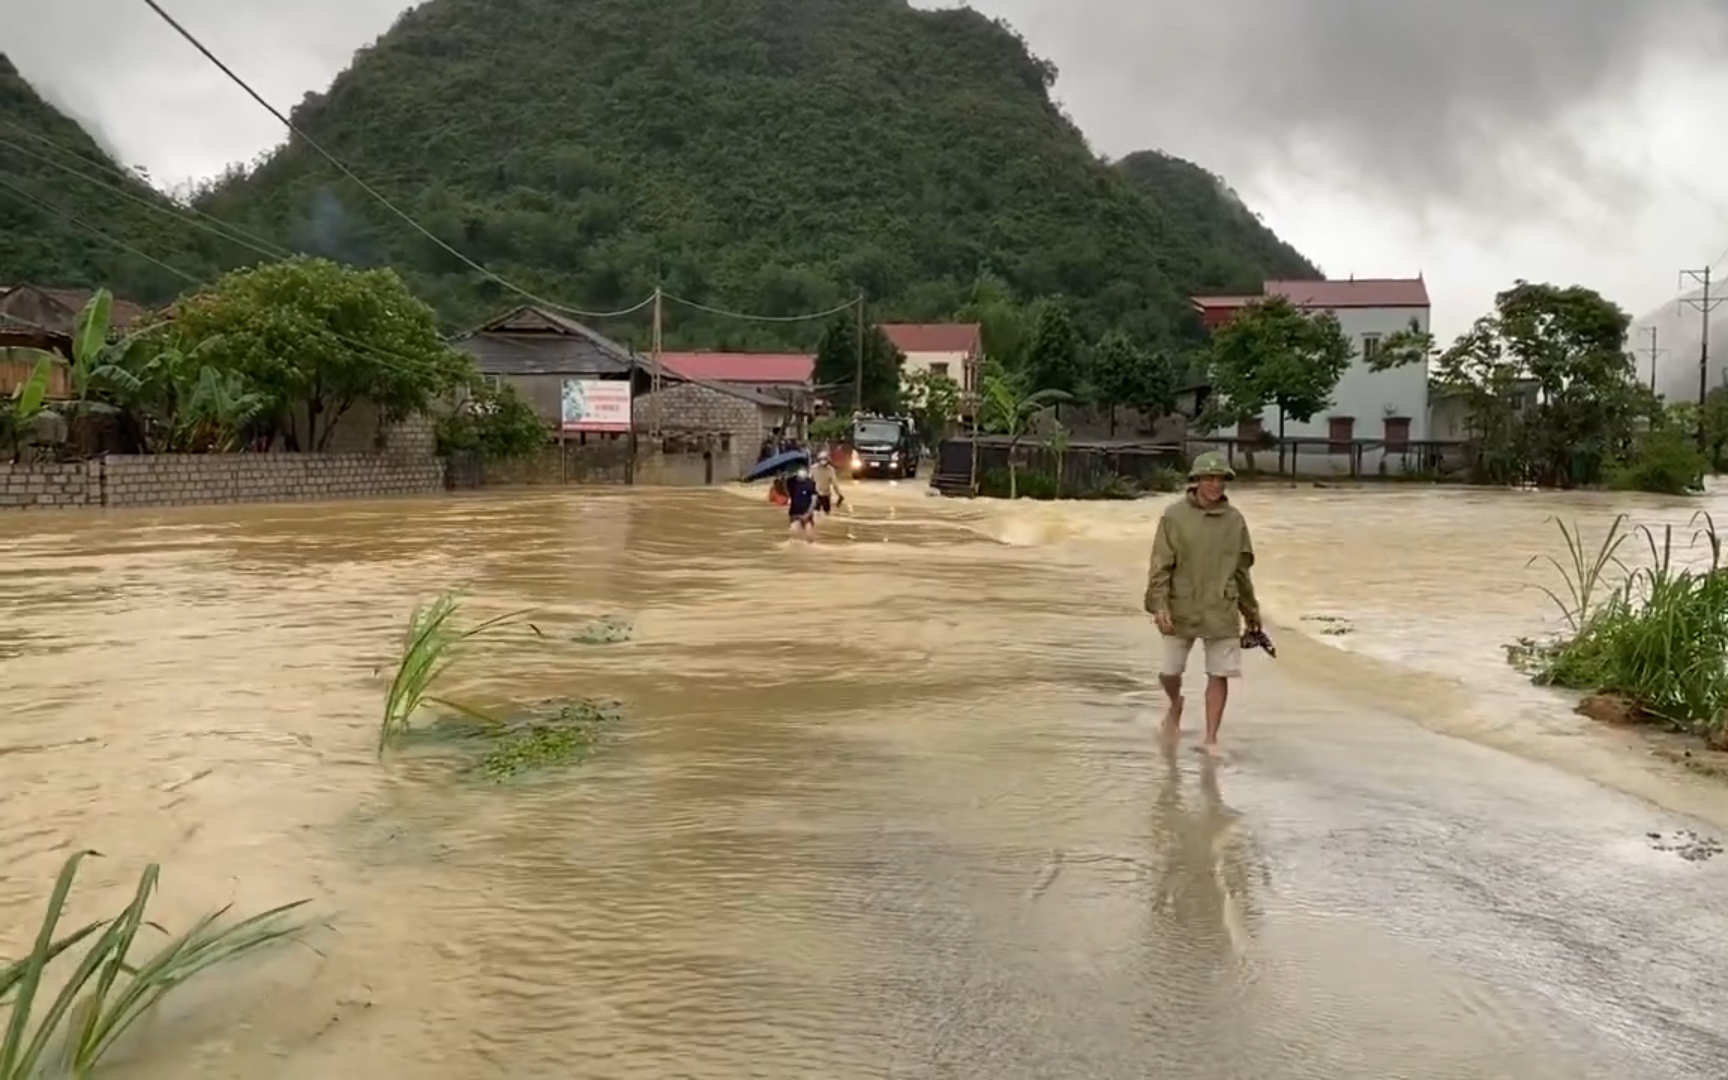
[{"x": 1200, "y": 589}]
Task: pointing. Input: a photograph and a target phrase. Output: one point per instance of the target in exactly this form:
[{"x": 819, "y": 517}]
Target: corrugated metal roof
[
  {"x": 69, "y": 302},
  {"x": 533, "y": 341}
]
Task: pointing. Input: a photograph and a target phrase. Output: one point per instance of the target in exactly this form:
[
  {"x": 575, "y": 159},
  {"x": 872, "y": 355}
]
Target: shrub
[
  {"x": 1665, "y": 461},
  {"x": 1041, "y": 484},
  {"x": 1165, "y": 480},
  {"x": 496, "y": 423},
  {"x": 1658, "y": 638}
]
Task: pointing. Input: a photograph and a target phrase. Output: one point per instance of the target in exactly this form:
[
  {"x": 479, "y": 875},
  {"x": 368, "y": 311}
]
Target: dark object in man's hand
[{"x": 1257, "y": 639}]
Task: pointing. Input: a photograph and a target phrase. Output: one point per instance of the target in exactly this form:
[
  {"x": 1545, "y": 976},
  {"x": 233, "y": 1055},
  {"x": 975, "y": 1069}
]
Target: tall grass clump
[
  {"x": 432, "y": 643},
  {"x": 1655, "y": 636},
  {"x": 111, "y": 986}
]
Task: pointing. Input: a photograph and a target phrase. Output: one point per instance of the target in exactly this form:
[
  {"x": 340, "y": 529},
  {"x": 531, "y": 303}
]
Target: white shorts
[{"x": 1223, "y": 656}]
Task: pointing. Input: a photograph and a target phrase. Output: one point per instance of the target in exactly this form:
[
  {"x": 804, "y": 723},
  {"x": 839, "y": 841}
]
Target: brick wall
[
  {"x": 193, "y": 479},
  {"x": 46, "y": 485},
  {"x": 604, "y": 463},
  {"x": 691, "y": 407}
]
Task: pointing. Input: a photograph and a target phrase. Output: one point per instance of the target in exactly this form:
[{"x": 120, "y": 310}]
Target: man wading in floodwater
[{"x": 1199, "y": 589}]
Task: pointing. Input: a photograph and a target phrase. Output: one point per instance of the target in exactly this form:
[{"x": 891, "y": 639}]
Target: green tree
[
  {"x": 1125, "y": 374},
  {"x": 493, "y": 422},
  {"x": 1273, "y": 353},
  {"x": 1554, "y": 396},
  {"x": 837, "y": 369},
  {"x": 315, "y": 338},
  {"x": 934, "y": 402},
  {"x": 1055, "y": 358},
  {"x": 1715, "y": 425},
  {"x": 1004, "y": 324},
  {"x": 1403, "y": 347},
  {"x": 1009, "y": 408}
]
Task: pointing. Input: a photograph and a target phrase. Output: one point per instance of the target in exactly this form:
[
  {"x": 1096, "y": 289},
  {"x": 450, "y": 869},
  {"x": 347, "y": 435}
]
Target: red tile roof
[
  {"x": 1353, "y": 293},
  {"x": 934, "y": 337},
  {"x": 741, "y": 367}
]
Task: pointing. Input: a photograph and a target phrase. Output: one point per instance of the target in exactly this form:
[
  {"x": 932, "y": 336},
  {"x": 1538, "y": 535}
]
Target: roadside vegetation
[
  {"x": 107, "y": 979},
  {"x": 497, "y": 744},
  {"x": 1647, "y": 639}
]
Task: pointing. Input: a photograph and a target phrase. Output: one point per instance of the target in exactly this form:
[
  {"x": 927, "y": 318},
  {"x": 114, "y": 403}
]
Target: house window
[
  {"x": 1397, "y": 433},
  {"x": 725, "y": 442},
  {"x": 1341, "y": 432},
  {"x": 1370, "y": 348},
  {"x": 939, "y": 370},
  {"x": 494, "y": 381}
]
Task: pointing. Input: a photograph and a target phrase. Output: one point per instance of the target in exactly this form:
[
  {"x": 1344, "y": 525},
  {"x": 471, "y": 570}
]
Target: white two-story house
[
  {"x": 1382, "y": 412},
  {"x": 951, "y": 349}
]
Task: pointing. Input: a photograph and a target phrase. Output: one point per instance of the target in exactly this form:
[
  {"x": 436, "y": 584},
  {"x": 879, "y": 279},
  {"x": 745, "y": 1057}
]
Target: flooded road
[{"x": 890, "y": 806}]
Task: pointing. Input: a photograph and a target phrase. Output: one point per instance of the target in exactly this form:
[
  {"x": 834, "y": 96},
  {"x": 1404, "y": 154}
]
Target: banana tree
[
  {"x": 95, "y": 359},
  {"x": 216, "y": 409},
  {"x": 1008, "y": 409},
  {"x": 28, "y": 403}
]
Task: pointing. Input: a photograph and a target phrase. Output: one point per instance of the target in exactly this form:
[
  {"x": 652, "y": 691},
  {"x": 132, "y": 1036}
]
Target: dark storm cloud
[{"x": 1479, "y": 103}]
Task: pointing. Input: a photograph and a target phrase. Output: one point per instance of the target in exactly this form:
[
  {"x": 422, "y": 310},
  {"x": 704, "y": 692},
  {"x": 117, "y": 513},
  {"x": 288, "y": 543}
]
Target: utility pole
[
  {"x": 858, "y": 376},
  {"x": 1705, "y": 303},
  {"x": 1654, "y": 354},
  {"x": 654, "y": 374}
]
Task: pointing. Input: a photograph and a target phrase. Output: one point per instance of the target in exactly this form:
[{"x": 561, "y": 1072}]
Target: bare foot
[
  {"x": 1210, "y": 748},
  {"x": 1173, "y": 718}
]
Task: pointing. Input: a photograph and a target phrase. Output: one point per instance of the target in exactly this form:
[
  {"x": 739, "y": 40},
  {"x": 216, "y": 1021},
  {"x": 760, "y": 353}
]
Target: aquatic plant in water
[
  {"x": 607, "y": 630},
  {"x": 541, "y": 737},
  {"x": 111, "y": 987},
  {"x": 555, "y": 734},
  {"x": 433, "y": 642},
  {"x": 1658, "y": 638}
]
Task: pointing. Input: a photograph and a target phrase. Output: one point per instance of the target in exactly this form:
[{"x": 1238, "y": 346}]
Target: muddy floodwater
[{"x": 891, "y": 805}]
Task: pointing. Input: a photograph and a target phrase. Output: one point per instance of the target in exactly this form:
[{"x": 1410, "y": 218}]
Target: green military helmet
[{"x": 1211, "y": 463}]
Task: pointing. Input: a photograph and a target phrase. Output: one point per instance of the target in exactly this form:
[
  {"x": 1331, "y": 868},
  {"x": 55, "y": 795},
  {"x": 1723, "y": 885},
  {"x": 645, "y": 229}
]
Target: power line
[
  {"x": 368, "y": 188},
  {"x": 395, "y": 359},
  {"x": 847, "y": 306},
  {"x": 81, "y": 223},
  {"x": 243, "y": 237},
  {"x": 1705, "y": 304},
  {"x": 222, "y": 229}
]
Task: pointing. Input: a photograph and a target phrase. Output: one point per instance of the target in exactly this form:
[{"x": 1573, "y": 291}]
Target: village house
[
  {"x": 34, "y": 320},
  {"x": 715, "y": 408},
  {"x": 1379, "y": 414},
  {"x": 786, "y": 379},
  {"x": 537, "y": 351},
  {"x": 954, "y": 350}
]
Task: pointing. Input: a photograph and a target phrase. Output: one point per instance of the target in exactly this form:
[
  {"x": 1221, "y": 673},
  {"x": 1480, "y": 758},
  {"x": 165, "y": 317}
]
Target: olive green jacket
[{"x": 1201, "y": 557}]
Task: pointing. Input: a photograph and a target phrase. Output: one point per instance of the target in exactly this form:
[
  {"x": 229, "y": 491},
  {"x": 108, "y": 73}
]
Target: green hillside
[
  {"x": 41, "y": 246},
  {"x": 770, "y": 156},
  {"x": 1226, "y": 229}
]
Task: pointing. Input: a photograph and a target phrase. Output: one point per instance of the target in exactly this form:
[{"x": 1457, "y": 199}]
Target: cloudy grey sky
[{"x": 1474, "y": 141}]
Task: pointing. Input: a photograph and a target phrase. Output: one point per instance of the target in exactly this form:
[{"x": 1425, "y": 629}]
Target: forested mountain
[
  {"x": 1226, "y": 229},
  {"x": 51, "y": 172},
  {"x": 769, "y": 156}
]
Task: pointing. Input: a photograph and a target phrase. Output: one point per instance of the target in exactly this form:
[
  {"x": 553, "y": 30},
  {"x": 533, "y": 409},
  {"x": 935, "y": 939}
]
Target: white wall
[
  {"x": 1366, "y": 395},
  {"x": 921, "y": 361}
]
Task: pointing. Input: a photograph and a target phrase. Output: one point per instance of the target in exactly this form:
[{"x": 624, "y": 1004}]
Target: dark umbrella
[{"x": 779, "y": 463}]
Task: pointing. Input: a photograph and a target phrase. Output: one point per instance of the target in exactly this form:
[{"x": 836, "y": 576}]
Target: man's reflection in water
[{"x": 1203, "y": 885}]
